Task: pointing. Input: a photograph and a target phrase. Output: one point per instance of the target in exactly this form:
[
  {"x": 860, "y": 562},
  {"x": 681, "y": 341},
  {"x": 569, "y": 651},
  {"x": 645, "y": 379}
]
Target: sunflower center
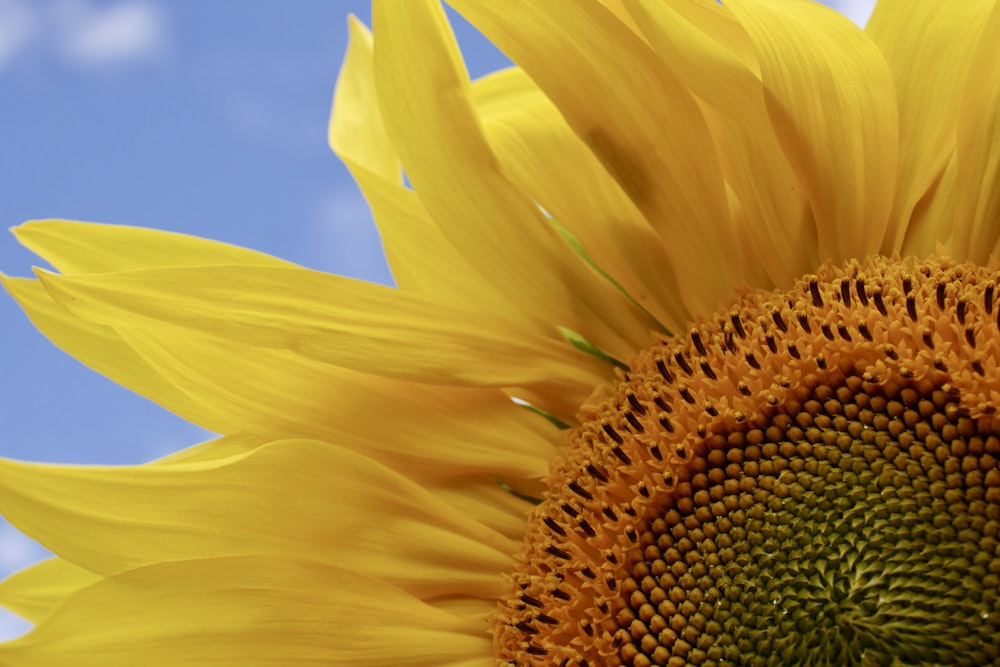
[{"x": 811, "y": 477}]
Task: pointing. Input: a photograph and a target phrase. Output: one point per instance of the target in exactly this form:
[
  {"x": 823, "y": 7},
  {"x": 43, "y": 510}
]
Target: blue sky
[{"x": 202, "y": 117}]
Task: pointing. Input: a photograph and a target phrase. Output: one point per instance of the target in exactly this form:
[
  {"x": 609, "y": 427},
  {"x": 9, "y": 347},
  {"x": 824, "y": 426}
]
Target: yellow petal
[
  {"x": 499, "y": 229},
  {"x": 708, "y": 50},
  {"x": 928, "y": 45},
  {"x": 487, "y": 502},
  {"x": 977, "y": 149},
  {"x": 107, "y": 351},
  {"x": 471, "y": 608},
  {"x": 358, "y": 325},
  {"x": 541, "y": 155},
  {"x": 356, "y": 131},
  {"x": 637, "y": 118},
  {"x": 260, "y": 611},
  {"x": 101, "y": 348},
  {"x": 35, "y": 591},
  {"x": 699, "y": 39},
  {"x": 425, "y": 432},
  {"x": 212, "y": 450},
  {"x": 420, "y": 258},
  {"x": 833, "y": 107},
  {"x": 929, "y": 223},
  {"x": 88, "y": 247},
  {"x": 293, "y": 497}
]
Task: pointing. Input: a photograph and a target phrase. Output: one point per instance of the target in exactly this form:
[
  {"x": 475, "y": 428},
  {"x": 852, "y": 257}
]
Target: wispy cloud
[
  {"x": 125, "y": 32},
  {"x": 83, "y": 33}
]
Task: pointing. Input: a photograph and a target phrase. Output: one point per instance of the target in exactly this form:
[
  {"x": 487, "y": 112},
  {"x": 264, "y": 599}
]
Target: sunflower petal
[
  {"x": 434, "y": 432},
  {"x": 487, "y": 502},
  {"x": 541, "y": 155},
  {"x": 107, "y": 351},
  {"x": 977, "y": 149},
  {"x": 833, "y": 107},
  {"x": 498, "y": 228},
  {"x": 101, "y": 348},
  {"x": 358, "y": 325},
  {"x": 89, "y": 247},
  {"x": 293, "y": 497},
  {"x": 235, "y": 444},
  {"x": 928, "y": 45},
  {"x": 259, "y": 611},
  {"x": 630, "y": 103},
  {"x": 35, "y": 591},
  {"x": 356, "y": 129},
  {"x": 420, "y": 258},
  {"x": 708, "y": 50}
]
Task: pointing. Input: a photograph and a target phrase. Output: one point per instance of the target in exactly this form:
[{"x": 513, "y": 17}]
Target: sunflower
[{"x": 693, "y": 358}]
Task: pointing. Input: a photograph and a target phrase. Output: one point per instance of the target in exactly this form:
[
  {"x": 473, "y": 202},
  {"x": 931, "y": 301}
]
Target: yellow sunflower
[{"x": 694, "y": 359}]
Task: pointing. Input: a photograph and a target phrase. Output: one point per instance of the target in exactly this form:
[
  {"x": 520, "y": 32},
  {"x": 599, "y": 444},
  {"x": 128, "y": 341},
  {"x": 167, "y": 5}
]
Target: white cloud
[
  {"x": 124, "y": 32},
  {"x": 85, "y": 34}
]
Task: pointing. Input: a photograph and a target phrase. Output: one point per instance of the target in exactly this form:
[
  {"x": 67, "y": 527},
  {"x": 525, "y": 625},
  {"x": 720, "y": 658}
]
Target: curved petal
[
  {"x": 425, "y": 432},
  {"x": 90, "y": 247},
  {"x": 833, "y": 107},
  {"x": 356, "y": 129},
  {"x": 708, "y": 50},
  {"x": 977, "y": 149},
  {"x": 541, "y": 155},
  {"x": 235, "y": 444},
  {"x": 36, "y": 590},
  {"x": 248, "y": 612},
  {"x": 499, "y": 229},
  {"x": 637, "y": 118},
  {"x": 929, "y": 224},
  {"x": 101, "y": 348},
  {"x": 106, "y": 351},
  {"x": 292, "y": 498},
  {"x": 487, "y": 502},
  {"x": 928, "y": 45},
  {"x": 358, "y": 325},
  {"x": 420, "y": 258}
]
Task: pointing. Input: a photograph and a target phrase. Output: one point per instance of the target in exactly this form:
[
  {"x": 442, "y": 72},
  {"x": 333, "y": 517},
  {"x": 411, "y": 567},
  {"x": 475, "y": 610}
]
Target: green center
[{"x": 862, "y": 530}]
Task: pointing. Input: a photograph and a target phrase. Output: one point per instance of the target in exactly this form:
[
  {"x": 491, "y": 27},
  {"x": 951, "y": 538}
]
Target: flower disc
[{"x": 811, "y": 477}]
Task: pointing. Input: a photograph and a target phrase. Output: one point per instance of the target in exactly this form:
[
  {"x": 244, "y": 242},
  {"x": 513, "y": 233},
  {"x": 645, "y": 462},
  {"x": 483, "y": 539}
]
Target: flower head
[{"x": 693, "y": 359}]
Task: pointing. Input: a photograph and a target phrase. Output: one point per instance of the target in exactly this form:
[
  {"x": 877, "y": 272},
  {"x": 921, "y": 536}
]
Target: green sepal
[
  {"x": 551, "y": 418},
  {"x": 577, "y": 247},
  {"x": 517, "y": 494},
  {"x": 584, "y": 345}
]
